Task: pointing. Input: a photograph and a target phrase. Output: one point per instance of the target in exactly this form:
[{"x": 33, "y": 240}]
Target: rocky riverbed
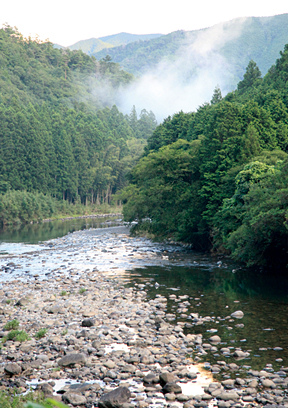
[{"x": 93, "y": 341}]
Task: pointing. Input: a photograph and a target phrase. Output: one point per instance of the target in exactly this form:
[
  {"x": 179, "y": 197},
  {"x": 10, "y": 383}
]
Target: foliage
[
  {"x": 41, "y": 333},
  {"x": 12, "y": 400},
  {"x": 48, "y": 403},
  {"x": 217, "y": 178},
  {"x": 82, "y": 290},
  {"x": 11, "y": 325},
  {"x": 18, "y": 335}
]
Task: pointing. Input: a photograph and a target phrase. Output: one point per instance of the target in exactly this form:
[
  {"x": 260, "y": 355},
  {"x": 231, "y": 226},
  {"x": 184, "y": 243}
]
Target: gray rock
[
  {"x": 72, "y": 359},
  {"x": 74, "y": 398},
  {"x": 46, "y": 388},
  {"x": 172, "y": 387},
  {"x": 12, "y": 369},
  {"x": 151, "y": 379},
  {"x": 115, "y": 398},
  {"x": 226, "y": 396},
  {"x": 88, "y": 322},
  {"x": 268, "y": 383},
  {"x": 22, "y": 302},
  {"x": 167, "y": 378}
]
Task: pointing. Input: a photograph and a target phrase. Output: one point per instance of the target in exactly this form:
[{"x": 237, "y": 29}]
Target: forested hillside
[
  {"x": 218, "y": 177},
  {"x": 236, "y": 42},
  {"x": 57, "y": 136},
  {"x": 34, "y": 71}
]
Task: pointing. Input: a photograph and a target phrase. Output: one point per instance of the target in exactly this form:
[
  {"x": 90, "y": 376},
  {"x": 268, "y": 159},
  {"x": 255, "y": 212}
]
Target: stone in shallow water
[
  {"x": 238, "y": 314},
  {"x": 215, "y": 339}
]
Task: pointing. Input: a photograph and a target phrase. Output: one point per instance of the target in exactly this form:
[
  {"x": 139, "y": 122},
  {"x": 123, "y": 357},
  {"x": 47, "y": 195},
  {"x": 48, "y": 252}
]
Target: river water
[{"x": 196, "y": 285}]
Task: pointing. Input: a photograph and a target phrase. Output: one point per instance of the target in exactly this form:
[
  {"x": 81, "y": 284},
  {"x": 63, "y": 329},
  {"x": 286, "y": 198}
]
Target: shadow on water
[{"x": 219, "y": 290}]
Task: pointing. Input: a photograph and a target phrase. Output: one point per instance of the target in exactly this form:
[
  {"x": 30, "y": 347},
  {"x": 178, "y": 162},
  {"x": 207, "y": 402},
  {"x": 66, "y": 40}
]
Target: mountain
[
  {"x": 94, "y": 45},
  {"x": 126, "y": 38},
  {"x": 90, "y": 46},
  {"x": 237, "y": 41}
]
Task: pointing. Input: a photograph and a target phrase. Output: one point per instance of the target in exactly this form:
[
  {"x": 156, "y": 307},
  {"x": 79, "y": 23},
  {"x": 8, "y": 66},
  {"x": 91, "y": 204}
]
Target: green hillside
[
  {"x": 37, "y": 72},
  {"x": 94, "y": 45},
  {"x": 238, "y": 41},
  {"x": 61, "y": 135}
]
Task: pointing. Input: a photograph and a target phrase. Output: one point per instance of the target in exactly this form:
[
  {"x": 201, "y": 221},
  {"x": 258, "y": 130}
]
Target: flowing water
[{"x": 199, "y": 283}]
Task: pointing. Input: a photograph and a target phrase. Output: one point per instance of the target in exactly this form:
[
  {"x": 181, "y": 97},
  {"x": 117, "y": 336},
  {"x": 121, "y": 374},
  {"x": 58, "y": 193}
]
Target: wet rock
[
  {"x": 215, "y": 339},
  {"x": 72, "y": 359},
  {"x": 115, "y": 398},
  {"x": 238, "y": 314},
  {"x": 240, "y": 354}
]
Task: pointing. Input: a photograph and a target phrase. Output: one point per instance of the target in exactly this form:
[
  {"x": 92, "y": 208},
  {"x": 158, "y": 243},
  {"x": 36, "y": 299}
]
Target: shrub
[
  {"x": 12, "y": 325},
  {"x": 41, "y": 333}
]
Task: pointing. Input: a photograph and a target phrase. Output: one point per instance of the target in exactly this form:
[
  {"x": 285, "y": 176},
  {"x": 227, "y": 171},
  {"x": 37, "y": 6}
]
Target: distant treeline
[{"x": 218, "y": 177}]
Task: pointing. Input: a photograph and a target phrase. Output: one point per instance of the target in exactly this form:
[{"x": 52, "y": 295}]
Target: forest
[
  {"x": 217, "y": 178},
  {"x": 59, "y": 138}
]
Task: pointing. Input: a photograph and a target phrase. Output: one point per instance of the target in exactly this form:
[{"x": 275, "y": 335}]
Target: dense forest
[
  {"x": 218, "y": 177},
  {"x": 57, "y": 136}
]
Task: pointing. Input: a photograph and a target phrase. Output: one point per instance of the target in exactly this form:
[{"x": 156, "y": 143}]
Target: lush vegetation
[
  {"x": 218, "y": 177},
  {"x": 30, "y": 400},
  {"x": 235, "y": 42},
  {"x": 58, "y": 140}
]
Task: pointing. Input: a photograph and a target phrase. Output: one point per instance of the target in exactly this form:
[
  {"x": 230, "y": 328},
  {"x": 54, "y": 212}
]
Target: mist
[{"x": 189, "y": 80}]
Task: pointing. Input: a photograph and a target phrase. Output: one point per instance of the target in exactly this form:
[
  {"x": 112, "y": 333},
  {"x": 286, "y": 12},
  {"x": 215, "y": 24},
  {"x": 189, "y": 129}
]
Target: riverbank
[
  {"x": 100, "y": 335},
  {"x": 22, "y": 207},
  {"x": 82, "y": 217}
]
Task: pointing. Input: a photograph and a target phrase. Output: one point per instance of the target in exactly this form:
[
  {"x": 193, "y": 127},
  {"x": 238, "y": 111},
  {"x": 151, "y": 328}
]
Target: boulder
[
  {"x": 72, "y": 359},
  {"x": 74, "y": 399},
  {"x": 115, "y": 398},
  {"x": 12, "y": 369},
  {"x": 167, "y": 378},
  {"x": 172, "y": 387}
]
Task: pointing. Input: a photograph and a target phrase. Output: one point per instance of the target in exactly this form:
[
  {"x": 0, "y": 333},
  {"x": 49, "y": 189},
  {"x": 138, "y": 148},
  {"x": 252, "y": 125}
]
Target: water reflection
[
  {"x": 35, "y": 233},
  {"x": 219, "y": 291}
]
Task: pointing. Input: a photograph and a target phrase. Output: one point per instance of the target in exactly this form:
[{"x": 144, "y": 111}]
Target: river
[{"x": 196, "y": 285}]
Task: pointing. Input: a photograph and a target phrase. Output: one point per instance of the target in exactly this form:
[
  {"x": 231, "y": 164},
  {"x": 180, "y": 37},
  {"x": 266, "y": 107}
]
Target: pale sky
[{"x": 66, "y": 22}]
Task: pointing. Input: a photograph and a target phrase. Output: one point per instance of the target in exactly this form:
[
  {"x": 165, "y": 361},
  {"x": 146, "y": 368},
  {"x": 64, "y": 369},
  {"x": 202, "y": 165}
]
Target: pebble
[{"x": 99, "y": 330}]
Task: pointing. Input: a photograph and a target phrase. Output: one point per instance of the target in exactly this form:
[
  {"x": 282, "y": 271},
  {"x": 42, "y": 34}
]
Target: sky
[{"x": 66, "y": 22}]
